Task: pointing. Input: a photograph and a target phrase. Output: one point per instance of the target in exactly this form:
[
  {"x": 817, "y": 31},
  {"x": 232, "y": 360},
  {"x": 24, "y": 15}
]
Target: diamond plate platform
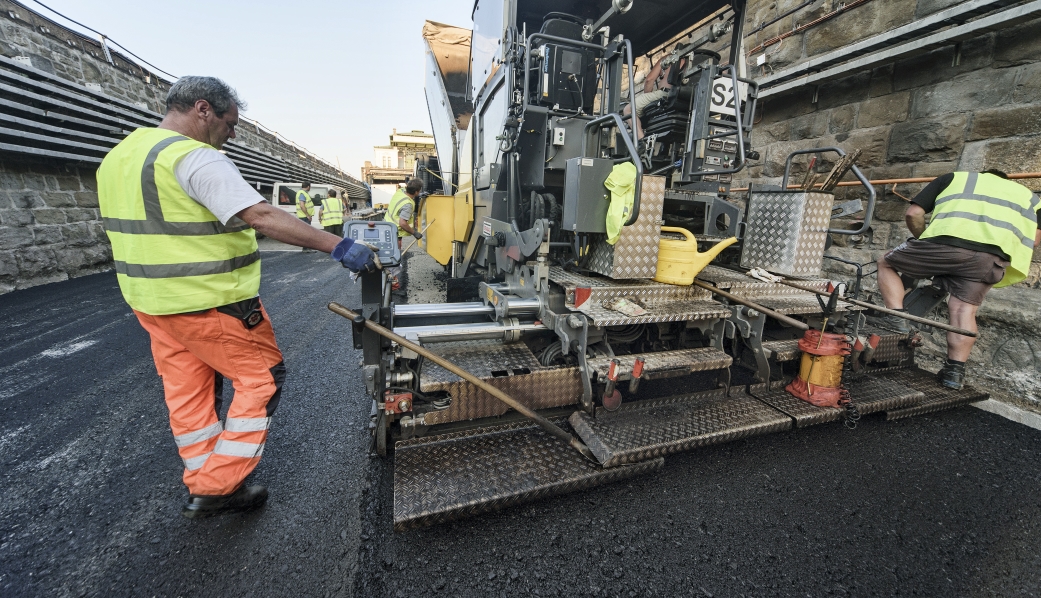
[
  {"x": 453, "y": 476},
  {"x": 893, "y": 348},
  {"x": 782, "y": 350},
  {"x": 645, "y": 429},
  {"x": 871, "y": 394},
  {"x": 936, "y": 396},
  {"x": 509, "y": 367},
  {"x": 746, "y": 286},
  {"x": 665, "y": 364},
  {"x": 665, "y": 311},
  {"x": 801, "y": 304},
  {"x": 579, "y": 288}
]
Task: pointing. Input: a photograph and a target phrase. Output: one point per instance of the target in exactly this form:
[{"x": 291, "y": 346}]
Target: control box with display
[{"x": 383, "y": 236}]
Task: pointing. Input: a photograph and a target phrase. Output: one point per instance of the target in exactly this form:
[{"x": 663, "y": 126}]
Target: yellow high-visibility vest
[
  {"x": 303, "y": 204},
  {"x": 988, "y": 209},
  {"x": 397, "y": 202},
  {"x": 332, "y": 211},
  {"x": 171, "y": 254}
]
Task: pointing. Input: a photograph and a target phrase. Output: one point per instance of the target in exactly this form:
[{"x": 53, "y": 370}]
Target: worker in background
[
  {"x": 982, "y": 234},
  {"x": 193, "y": 283},
  {"x": 330, "y": 214},
  {"x": 303, "y": 203},
  {"x": 655, "y": 87},
  {"x": 402, "y": 211}
]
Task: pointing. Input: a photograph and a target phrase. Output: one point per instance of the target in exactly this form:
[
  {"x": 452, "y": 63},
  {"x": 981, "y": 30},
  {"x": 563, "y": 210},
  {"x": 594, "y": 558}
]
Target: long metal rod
[
  {"x": 922, "y": 179},
  {"x": 736, "y": 299},
  {"x": 886, "y": 310},
  {"x": 544, "y": 423}
]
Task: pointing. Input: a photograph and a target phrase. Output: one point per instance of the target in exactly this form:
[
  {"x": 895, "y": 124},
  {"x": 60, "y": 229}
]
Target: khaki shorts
[
  {"x": 646, "y": 99},
  {"x": 964, "y": 273}
]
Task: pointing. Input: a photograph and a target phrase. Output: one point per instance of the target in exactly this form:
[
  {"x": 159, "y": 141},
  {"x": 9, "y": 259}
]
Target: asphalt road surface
[{"x": 938, "y": 505}]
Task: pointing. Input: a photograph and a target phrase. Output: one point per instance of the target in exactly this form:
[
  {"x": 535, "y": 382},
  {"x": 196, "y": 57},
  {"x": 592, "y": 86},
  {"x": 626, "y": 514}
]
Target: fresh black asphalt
[{"x": 939, "y": 505}]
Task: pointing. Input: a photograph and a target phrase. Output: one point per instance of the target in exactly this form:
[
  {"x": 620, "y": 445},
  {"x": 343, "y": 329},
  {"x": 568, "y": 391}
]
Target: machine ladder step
[
  {"x": 871, "y": 394},
  {"x": 454, "y": 476},
  {"x": 665, "y": 364},
  {"x": 643, "y": 430},
  {"x": 937, "y": 397},
  {"x": 782, "y": 350}
]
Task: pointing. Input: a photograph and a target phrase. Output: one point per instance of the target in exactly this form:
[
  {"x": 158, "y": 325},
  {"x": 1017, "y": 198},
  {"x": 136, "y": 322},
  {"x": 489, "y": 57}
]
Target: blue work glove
[{"x": 354, "y": 256}]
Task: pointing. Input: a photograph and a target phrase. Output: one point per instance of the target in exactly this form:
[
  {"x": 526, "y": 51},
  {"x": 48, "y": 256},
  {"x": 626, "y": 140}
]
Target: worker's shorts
[
  {"x": 646, "y": 99},
  {"x": 964, "y": 273}
]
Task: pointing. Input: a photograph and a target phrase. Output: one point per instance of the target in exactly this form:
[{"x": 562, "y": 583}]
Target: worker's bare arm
[
  {"x": 1037, "y": 237},
  {"x": 281, "y": 226},
  {"x": 915, "y": 219}
]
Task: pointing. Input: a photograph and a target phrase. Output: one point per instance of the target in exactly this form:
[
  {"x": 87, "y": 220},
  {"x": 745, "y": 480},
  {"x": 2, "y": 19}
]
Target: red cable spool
[{"x": 820, "y": 373}]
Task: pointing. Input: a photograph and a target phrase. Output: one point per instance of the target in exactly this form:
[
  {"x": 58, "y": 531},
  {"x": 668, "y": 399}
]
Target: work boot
[
  {"x": 891, "y": 322},
  {"x": 952, "y": 375},
  {"x": 243, "y": 499}
]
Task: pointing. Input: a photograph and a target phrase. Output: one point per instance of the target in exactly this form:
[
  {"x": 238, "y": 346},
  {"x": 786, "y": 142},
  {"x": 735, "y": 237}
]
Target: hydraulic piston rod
[
  {"x": 467, "y": 332},
  {"x": 544, "y": 423}
]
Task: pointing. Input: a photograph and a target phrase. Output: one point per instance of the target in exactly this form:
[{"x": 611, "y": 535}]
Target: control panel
[{"x": 381, "y": 236}]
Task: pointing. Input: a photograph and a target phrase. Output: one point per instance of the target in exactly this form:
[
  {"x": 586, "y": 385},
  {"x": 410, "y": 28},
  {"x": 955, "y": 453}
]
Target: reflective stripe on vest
[
  {"x": 396, "y": 203},
  {"x": 171, "y": 254},
  {"x": 332, "y": 211},
  {"x": 303, "y": 204},
  {"x": 988, "y": 209}
]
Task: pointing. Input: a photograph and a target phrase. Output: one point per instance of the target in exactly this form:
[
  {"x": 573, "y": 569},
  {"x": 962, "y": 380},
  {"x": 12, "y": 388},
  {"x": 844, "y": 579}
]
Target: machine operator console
[{"x": 381, "y": 235}]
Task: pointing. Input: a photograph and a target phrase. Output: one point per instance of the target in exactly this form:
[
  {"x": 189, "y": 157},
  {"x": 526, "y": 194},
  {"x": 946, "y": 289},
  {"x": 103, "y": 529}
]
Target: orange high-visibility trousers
[{"x": 191, "y": 352}]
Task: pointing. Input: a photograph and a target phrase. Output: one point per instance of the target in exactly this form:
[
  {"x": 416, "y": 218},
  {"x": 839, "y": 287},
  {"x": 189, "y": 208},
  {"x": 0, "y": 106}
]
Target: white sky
[{"x": 334, "y": 77}]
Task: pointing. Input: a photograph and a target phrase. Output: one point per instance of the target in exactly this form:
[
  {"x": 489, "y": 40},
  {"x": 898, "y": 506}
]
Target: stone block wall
[
  {"x": 50, "y": 227},
  {"x": 966, "y": 106}
]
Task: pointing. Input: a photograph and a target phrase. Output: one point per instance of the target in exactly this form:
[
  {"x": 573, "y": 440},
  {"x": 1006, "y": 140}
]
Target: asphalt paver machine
[{"x": 567, "y": 365}]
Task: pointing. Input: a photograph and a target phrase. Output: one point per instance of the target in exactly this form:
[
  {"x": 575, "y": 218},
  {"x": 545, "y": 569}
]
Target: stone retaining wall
[{"x": 969, "y": 106}]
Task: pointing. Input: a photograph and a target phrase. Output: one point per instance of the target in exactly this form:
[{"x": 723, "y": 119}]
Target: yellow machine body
[
  {"x": 679, "y": 261},
  {"x": 438, "y": 217}
]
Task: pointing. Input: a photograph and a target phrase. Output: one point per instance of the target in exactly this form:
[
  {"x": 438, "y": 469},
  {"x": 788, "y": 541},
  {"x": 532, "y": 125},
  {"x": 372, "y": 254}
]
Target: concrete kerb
[{"x": 1011, "y": 412}]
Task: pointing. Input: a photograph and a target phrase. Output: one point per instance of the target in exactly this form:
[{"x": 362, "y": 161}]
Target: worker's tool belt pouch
[{"x": 247, "y": 310}]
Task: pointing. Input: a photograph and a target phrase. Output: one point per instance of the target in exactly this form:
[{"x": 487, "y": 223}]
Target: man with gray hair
[{"x": 182, "y": 223}]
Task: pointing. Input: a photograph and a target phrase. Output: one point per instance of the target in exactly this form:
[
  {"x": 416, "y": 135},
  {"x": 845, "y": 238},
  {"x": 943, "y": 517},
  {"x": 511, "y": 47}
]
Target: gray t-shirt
[
  {"x": 406, "y": 211},
  {"x": 212, "y": 179}
]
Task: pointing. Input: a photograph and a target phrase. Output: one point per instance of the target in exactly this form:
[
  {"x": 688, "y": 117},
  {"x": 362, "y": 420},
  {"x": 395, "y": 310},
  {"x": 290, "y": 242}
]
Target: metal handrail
[{"x": 869, "y": 211}]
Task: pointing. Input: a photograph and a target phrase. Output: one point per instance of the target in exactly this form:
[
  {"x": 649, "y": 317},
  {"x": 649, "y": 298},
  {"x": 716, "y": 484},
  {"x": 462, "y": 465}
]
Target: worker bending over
[
  {"x": 982, "y": 234},
  {"x": 181, "y": 220},
  {"x": 402, "y": 212},
  {"x": 330, "y": 214}
]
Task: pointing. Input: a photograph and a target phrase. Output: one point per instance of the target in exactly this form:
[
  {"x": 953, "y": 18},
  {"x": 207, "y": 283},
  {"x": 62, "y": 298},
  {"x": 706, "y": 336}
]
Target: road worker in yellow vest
[
  {"x": 982, "y": 234},
  {"x": 330, "y": 214},
  {"x": 402, "y": 211},
  {"x": 181, "y": 220},
  {"x": 304, "y": 206}
]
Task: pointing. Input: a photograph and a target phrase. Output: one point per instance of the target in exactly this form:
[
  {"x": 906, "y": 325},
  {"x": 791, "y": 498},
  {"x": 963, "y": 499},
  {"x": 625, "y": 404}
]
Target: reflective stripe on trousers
[{"x": 187, "y": 348}]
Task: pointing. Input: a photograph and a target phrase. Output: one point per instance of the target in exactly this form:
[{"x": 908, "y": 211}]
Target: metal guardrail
[{"x": 46, "y": 116}]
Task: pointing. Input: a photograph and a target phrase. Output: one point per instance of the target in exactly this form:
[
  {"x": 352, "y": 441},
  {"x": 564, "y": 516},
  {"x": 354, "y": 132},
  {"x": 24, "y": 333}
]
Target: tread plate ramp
[
  {"x": 454, "y": 476},
  {"x": 870, "y": 394},
  {"x": 645, "y": 429},
  {"x": 665, "y": 364},
  {"x": 936, "y": 396}
]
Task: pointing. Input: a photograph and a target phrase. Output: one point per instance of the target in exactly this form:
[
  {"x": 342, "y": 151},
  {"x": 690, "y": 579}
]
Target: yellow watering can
[{"x": 679, "y": 261}]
